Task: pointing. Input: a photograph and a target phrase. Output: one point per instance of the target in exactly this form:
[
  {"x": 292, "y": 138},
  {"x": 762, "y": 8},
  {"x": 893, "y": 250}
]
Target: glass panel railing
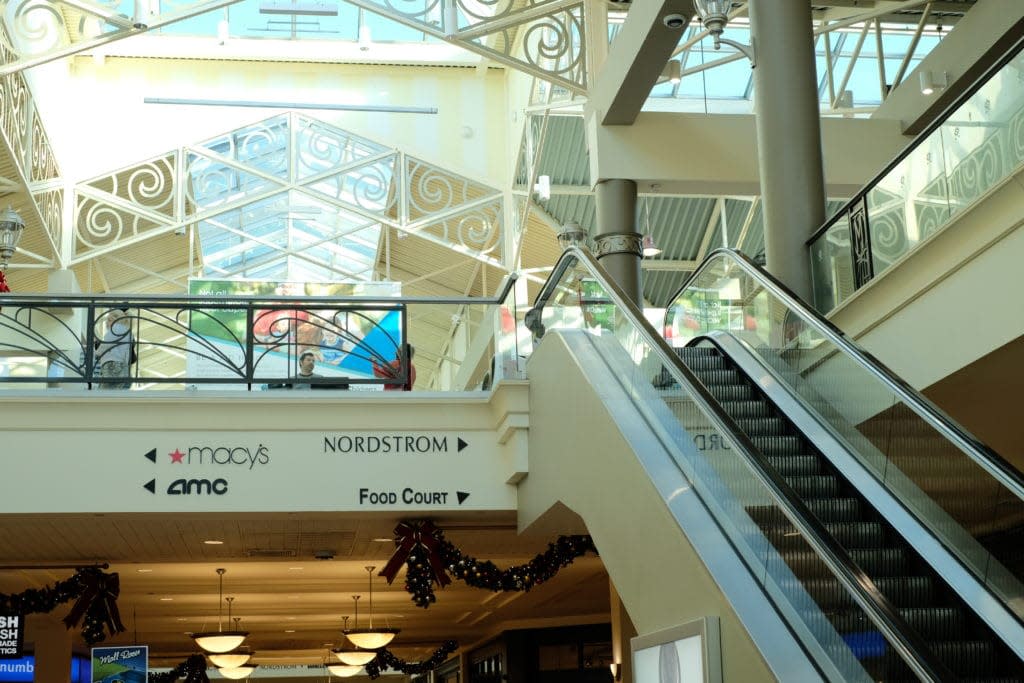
[
  {"x": 833, "y": 608},
  {"x": 970, "y": 498},
  {"x": 975, "y": 148}
]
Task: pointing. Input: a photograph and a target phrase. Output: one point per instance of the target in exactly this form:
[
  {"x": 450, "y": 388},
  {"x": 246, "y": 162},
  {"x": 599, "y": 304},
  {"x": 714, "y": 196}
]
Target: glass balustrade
[{"x": 975, "y": 149}]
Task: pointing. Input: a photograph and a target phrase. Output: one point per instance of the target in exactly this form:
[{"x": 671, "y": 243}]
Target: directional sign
[{"x": 245, "y": 471}]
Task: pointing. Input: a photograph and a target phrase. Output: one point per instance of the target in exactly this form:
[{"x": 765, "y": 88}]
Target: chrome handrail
[
  {"x": 985, "y": 457},
  {"x": 911, "y": 648}
]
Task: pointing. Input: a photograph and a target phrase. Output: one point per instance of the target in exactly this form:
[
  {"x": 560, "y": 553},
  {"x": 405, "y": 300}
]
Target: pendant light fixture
[
  {"x": 237, "y": 672},
  {"x": 370, "y": 638},
  {"x": 235, "y": 658},
  {"x": 344, "y": 670},
  {"x": 353, "y": 657},
  {"x": 220, "y": 641}
]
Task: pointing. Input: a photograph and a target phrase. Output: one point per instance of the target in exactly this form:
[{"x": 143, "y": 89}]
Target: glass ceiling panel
[
  {"x": 290, "y": 235},
  {"x": 728, "y": 87}
]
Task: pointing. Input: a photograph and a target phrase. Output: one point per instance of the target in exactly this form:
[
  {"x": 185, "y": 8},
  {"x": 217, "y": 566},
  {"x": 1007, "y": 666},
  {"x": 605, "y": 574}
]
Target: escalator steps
[
  {"x": 816, "y": 486},
  {"x": 936, "y": 623},
  {"x": 742, "y": 410},
  {"x": 836, "y": 509},
  {"x": 795, "y": 465},
  {"x": 763, "y": 426},
  {"x": 732, "y": 392},
  {"x": 778, "y": 445},
  {"x": 863, "y": 535},
  {"x": 902, "y": 591},
  {"x": 876, "y": 561}
]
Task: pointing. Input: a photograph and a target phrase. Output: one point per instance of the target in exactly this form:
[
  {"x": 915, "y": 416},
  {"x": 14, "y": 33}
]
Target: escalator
[
  {"x": 961, "y": 641},
  {"x": 876, "y": 524}
]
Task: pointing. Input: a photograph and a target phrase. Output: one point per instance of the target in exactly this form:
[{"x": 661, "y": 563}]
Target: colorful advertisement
[
  {"x": 345, "y": 340},
  {"x": 128, "y": 664}
]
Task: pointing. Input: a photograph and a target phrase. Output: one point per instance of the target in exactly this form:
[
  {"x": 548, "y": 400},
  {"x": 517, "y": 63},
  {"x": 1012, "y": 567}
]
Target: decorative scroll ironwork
[
  {"x": 228, "y": 341},
  {"x": 149, "y": 184},
  {"x": 552, "y": 44},
  {"x": 306, "y": 175},
  {"x": 860, "y": 244}
]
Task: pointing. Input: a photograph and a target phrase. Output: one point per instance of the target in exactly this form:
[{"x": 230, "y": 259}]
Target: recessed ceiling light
[
  {"x": 182, "y": 619},
  {"x": 291, "y": 618},
  {"x": 382, "y": 540},
  {"x": 289, "y": 630},
  {"x": 213, "y": 542},
  {"x": 295, "y": 569},
  {"x": 166, "y": 599},
  {"x": 144, "y": 571}
]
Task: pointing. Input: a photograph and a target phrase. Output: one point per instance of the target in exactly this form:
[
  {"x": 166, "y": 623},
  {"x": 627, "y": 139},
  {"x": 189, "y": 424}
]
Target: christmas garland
[
  {"x": 429, "y": 558},
  {"x": 193, "y": 670},
  {"x": 386, "y": 660},
  {"x": 95, "y": 593}
]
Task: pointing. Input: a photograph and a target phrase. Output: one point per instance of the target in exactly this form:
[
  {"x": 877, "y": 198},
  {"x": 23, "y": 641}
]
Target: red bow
[{"x": 408, "y": 537}]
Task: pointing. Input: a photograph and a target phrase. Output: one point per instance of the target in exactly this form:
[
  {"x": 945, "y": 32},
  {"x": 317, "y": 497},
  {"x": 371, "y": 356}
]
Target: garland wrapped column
[{"x": 429, "y": 559}]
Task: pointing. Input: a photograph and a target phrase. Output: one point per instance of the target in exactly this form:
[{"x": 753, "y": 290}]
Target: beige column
[
  {"x": 622, "y": 631},
  {"x": 51, "y": 640}
]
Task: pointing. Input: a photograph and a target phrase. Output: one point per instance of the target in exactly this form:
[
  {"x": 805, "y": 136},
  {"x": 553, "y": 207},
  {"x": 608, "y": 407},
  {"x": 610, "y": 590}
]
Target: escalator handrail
[
  {"x": 910, "y": 647},
  {"x": 989, "y": 460}
]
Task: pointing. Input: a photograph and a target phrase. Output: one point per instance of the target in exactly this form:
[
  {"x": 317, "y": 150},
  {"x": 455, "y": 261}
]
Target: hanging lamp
[
  {"x": 237, "y": 672},
  {"x": 235, "y": 658},
  {"x": 344, "y": 670},
  {"x": 353, "y": 657},
  {"x": 220, "y": 641},
  {"x": 370, "y": 638}
]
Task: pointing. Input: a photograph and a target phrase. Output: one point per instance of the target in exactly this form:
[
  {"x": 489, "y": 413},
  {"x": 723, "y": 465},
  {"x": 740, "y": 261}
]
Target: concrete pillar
[
  {"x": 788, "y": 136},
  {"x": 617, "y": 243},
  {"x": 51, "y": 642},
  {"x": 622, "y": 632}
]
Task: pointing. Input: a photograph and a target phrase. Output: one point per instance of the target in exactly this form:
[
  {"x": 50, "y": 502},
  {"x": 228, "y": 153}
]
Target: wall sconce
[
  {"x": 714, "y": 14},
  {"x": 616, "y": 670},
  {"x": 932, "y": 81}
]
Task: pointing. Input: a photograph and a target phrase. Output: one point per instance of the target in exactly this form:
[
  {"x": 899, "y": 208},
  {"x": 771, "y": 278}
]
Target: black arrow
[
  {"x": 151, "y": 455},
  {"x": 462, "y": 496},
  {"x": 462, "y": 444},
  {"x": 150, "y": 486}
]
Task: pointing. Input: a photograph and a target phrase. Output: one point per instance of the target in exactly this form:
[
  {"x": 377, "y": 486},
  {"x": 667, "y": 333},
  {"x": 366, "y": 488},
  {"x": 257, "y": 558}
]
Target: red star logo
[{"x": 176, "y": 456}]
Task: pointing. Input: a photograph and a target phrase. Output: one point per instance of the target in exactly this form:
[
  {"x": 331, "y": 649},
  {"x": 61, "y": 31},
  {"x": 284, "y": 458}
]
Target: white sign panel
[{"x": 253, "y": 472}]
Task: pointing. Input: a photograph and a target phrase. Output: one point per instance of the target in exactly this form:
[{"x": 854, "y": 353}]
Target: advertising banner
[{"x": 120, "y": 664}]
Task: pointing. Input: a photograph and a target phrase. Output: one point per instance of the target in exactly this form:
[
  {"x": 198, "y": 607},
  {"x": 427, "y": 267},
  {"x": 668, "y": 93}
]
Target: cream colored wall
[
  {"x": 580, "y": 459},
  {"x": 97, "y": 120}
]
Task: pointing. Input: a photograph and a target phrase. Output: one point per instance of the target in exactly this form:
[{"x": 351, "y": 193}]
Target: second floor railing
[
  {"x": 123, "y": 342},
  {"x": 975, "y": 145}
]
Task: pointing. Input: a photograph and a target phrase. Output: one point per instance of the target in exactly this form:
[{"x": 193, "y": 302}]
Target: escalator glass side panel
[
  {"x": 829, "y": 621},
  {"x": 942, "y": 620},
  {"x": 958, "y": 495}
]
